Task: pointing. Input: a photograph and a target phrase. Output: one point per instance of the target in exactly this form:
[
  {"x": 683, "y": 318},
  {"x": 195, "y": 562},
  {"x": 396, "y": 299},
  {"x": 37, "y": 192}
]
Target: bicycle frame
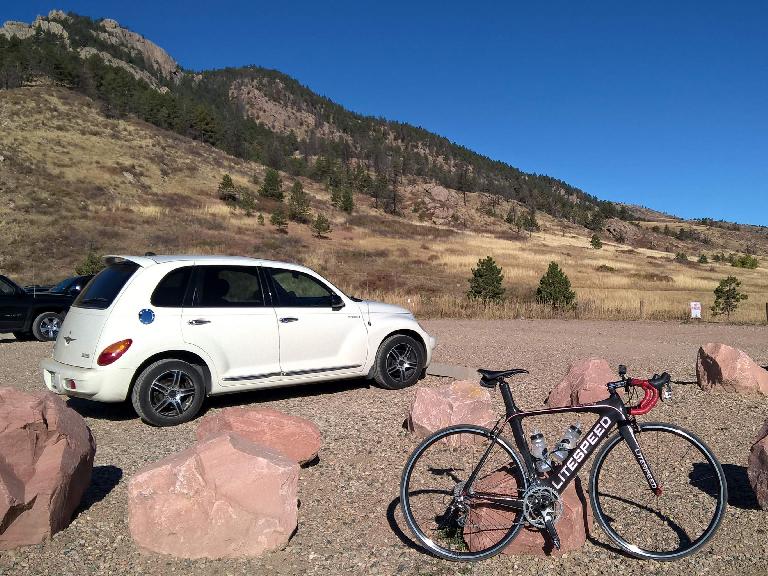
[{"x": 610, "y": 411}]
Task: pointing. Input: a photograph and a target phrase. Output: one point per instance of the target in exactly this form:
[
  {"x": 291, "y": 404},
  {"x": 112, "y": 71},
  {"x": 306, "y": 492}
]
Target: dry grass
[{"x": 72, "y": 178}]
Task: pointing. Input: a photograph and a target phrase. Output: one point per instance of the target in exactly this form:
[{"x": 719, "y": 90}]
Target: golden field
[{"x": 72, "y": 179}]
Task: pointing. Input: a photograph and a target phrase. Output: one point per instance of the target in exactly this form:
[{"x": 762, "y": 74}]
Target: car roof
[{"x": 145, "y": 261}]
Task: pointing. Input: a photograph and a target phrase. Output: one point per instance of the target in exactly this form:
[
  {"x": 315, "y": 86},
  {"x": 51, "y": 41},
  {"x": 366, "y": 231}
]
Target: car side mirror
[{"x": 336, "y": 302}]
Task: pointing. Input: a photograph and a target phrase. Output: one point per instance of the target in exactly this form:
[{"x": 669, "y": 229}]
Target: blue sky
[{"x": 662, "y": 104}]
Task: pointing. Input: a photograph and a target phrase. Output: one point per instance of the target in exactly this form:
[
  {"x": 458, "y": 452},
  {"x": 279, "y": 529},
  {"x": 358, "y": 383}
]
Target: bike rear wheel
[
  {"x": 666, "y": 526},
  {"x": 450, "y": 519}
]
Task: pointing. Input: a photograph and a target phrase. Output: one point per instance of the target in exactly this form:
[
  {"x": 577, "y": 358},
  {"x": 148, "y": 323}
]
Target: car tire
[
  {"x": 46, "y": 326},
  {"x": 399, "y": 362},
  {"x": 168, "y": 392},
  {"x": 23, "y": 336}
]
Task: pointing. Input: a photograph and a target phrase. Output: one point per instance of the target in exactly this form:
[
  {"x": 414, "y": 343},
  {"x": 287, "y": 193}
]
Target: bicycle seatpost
[{"x": 506, "y": 395}]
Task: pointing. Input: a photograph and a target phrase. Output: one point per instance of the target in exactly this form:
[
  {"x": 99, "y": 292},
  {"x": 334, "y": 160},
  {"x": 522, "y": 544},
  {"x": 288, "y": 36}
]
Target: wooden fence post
[
  {"x": 642, "y": 309},
  {"x": 766, "y": 312}
]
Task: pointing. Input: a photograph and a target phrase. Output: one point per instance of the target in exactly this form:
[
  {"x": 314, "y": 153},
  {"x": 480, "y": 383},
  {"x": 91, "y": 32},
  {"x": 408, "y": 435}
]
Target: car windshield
[
  {"x": 106, "y": 285},
  {"x": 62, "y": 286}
]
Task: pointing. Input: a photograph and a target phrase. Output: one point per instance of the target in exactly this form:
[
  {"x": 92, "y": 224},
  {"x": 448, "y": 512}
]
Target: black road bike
[{"x": 656, "y": 489}]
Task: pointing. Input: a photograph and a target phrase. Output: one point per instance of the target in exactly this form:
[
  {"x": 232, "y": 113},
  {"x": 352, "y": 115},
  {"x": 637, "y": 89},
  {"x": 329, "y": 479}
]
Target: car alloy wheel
[
  {"x": 402, "y": 361},
  {"x": 172, "y": 393}
]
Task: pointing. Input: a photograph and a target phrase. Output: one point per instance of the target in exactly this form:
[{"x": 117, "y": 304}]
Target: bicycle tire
[
  {"x": 611, "y": 492},
  {"x": 487, "y": 528}
]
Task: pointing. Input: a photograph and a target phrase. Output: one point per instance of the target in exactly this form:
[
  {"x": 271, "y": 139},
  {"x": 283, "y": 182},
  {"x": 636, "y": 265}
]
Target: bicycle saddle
[{"x": 489, "y": 378}]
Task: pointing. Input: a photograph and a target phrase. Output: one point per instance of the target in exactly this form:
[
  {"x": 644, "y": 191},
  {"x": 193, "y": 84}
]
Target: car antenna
[{"x": 368, "y": 305}]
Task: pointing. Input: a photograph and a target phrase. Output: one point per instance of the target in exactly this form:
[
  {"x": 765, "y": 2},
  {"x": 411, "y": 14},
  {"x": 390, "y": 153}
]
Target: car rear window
[{"x": 105, "y": 286}]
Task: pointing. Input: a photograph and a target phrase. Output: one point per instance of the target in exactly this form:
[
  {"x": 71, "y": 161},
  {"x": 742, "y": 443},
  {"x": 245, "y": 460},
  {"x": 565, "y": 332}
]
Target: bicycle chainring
[{"x": 541, "y": 503}]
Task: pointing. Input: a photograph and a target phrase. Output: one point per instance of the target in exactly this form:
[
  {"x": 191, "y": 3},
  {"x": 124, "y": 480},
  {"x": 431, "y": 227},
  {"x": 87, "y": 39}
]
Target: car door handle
[
  {"x": 199, "y": 321},
  {"x": 288, "y": 319}
]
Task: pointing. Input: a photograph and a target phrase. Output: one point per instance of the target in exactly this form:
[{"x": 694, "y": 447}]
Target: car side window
[
  {"x": 171, "y": 289},
  {"x": 6, "y": 289},
  {"x": 228, "y": 287},
  {"x": 296, "y": 289}
]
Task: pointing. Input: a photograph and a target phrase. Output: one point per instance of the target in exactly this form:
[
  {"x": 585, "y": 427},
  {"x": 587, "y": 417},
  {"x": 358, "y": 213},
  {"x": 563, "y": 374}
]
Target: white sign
[{"x": 695, "y": 309}]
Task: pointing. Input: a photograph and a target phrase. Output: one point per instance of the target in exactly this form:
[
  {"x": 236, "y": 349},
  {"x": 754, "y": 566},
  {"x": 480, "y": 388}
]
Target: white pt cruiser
[{"x": 167, "y": 331}]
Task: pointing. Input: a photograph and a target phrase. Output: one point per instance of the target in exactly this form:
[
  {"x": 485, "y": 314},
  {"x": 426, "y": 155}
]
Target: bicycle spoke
[
  {"x": 675, "y": 521},
  {"x": 455, "y": 520}
]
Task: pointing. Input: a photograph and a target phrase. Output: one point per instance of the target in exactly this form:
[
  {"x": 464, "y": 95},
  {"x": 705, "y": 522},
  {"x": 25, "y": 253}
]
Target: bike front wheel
[
  {"x": 673, "y": 521},
  {"x": 452, "y": 517}
]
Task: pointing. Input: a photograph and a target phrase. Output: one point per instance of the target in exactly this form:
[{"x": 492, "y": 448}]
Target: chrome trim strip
[{"x": 293, "y": 373}]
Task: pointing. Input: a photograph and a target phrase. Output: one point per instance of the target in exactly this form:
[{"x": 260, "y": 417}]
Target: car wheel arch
[
  {"x": 184, "y": 355},
  {"x": 405, "y": 332}
]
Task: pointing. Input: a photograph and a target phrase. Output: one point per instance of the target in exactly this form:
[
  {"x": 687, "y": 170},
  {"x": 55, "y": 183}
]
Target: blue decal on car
[{"x": 146, "y": 316}]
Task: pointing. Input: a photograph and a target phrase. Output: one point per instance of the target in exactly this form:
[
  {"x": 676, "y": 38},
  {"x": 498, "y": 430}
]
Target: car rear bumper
[{"x": 109, "y": 385}]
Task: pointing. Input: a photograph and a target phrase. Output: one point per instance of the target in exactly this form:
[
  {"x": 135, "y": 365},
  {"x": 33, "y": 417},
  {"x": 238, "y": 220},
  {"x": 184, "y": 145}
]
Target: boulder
[
  {"x": 721, "y": 367},
  {"x": 294, "y": 437},
  {"x": 487, "y": 526},
  {"x": 46, "y": 459},
  {"x": 584, "y": 384},
  {"x": 225, "y": 497},
  {"x": 757, "y": 468},
  {"x": 461, "y": 402}
]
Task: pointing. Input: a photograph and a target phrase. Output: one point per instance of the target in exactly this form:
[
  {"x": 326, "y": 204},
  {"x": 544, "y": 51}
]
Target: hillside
[
  {"x": 106, "y": 143},
  {"x": 72, "y": 179}
]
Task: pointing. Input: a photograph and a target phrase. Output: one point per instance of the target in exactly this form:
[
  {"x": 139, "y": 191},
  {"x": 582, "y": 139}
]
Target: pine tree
[
  {"x": 321, "y": 226},
  {"x": 596, "y": 242},
  {"x": 91, "y": 264},
  {"x": 298, "y": 204},
  {"x": 272, "y": 186},
  {"x": 260, "y": 219},
  {"x": 347, "y": 202},
  {"x": 227, "y": 189},
  {"x": 727, "y": 297},
  {"x": 555, "y": 288},
  {"x": 486, "y": 283},
  {"x": 279, "y": 221}
]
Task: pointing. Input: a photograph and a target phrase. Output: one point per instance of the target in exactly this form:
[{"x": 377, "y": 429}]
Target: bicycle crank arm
[{"x": 550, "y": 527}]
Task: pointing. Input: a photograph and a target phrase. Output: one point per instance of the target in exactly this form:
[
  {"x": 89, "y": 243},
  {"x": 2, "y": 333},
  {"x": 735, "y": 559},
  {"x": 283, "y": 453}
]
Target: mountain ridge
[{"x": 317, "y": 127}]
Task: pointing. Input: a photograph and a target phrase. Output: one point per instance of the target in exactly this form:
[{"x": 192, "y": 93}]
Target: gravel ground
[{"x": 349, "y": 520}]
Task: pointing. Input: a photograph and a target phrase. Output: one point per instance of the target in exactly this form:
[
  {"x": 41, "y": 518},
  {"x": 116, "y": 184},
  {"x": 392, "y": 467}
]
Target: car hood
[{"x": 373, "y": 307}]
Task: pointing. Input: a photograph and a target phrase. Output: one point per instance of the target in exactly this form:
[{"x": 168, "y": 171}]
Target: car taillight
[{"x": 113, "y": 352}]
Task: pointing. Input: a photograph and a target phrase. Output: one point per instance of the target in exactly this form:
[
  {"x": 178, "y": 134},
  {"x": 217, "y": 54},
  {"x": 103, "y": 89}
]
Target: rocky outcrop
[
  {"x": 46, "y": 459},
  {"x": 722, "y": 367},
  {"x": 139, "y": 74},
  {"x": 223, "y": 498},
  {"x": 154, "y": 57},
  {"x": 23, "y": 30},
  {"x": 487, "y": 525},
  {"x": 622, "y": 231},
  {"x": 293, "y": 437},
  {"x": 462, "y": 402},
  {"x": 584, "y": 384},
  {"x": 757, "y": 468}
]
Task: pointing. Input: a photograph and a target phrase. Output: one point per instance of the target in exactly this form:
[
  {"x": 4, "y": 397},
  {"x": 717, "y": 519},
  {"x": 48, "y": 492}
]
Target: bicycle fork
[{"x": 627, "y": 432}]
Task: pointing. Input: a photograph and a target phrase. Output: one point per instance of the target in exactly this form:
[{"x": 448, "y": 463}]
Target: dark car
[
  {"x": 35, "y": 288},
  {"x": 29, "y": 315},
  {"x": 71, "y": 286}
]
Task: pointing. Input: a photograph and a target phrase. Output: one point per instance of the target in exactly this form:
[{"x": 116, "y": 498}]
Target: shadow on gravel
[
  {"x": 102, "y": 410},
  {"x": 740, "y": 493},
  {"x": 103, "y": 480},
  {"x": 404, "y": 538},
  {"x": 7, "y": 340},
  {"x": 274, "y": 394}
]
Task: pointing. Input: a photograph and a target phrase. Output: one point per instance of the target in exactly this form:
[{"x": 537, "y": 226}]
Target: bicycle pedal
[{"x": 549, "y": 525}]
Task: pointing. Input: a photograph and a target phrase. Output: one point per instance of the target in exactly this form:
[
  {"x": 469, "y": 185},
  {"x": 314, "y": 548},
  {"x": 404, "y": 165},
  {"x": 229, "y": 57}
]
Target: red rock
[
  {"x": 225, "y": 497},
  {"x": 584, "y": 384},
  {"x": 757, "y": 468},
  {"x": 294, "y": 437},
  {"x": 487, "y": 526},
  {"x": 719, "y": 366},
  {"x": 461, "y": 402},
  {"x": 45, "y": 466}
]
